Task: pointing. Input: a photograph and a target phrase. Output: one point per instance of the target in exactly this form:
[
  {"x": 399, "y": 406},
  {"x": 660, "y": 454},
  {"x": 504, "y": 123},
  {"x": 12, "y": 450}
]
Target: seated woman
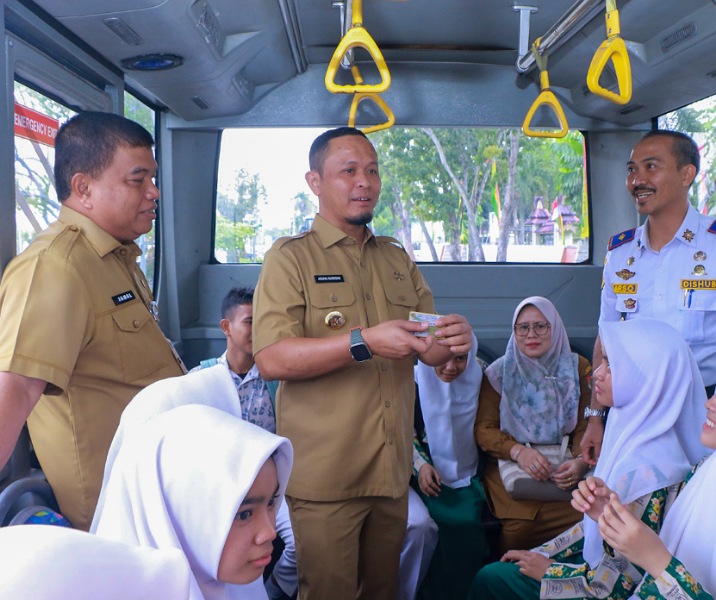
[
  {"x": 445, "y": 462},
  {"x": 45, "y": 562},
  {"x": 650, "y": 379},
  {"x": 535, "y": 393},
  {"x": 206, "y": 482},
  {"x": 681, "y": 561}
]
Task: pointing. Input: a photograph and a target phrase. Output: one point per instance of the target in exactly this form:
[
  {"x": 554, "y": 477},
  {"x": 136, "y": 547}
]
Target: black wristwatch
[
  {"x": 594, "y": 412},
  {"x": 359, "y": 349}
]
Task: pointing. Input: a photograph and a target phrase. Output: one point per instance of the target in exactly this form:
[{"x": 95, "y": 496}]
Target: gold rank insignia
[
  {"x": 699, "y": 270},
  {"x": 700, "y": 255},
  {"x": 625, "y": 274},
  {"x": 629, "y": 303},
  {"x": 335, "y": 320},
  {"x": 630, "y": 261},
  {"x": 688, "y": 235}
]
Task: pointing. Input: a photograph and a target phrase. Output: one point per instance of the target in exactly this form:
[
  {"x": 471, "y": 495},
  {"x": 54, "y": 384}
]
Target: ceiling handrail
[
  {"x": 613, "y": 48},
  {"x": 357, "y": 36}
]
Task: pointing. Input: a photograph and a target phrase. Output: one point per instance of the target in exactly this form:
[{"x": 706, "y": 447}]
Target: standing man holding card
[{"x": 331, "y": 322}]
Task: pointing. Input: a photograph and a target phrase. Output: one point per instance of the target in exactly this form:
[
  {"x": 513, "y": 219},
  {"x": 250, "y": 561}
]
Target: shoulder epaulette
[
  {"x": 386, "y": 239},
  {"x": 284, "y": 240},
  {"x": 621, "y": 238},
  {"x": 712, "y": 227}
]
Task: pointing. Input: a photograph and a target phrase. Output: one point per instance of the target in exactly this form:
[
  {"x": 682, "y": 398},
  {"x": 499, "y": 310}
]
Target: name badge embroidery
[
  {"x": 328, "y": 278},
  {"x": 625, "y": 288},
  {"x": 698, "y": 284},
  {"x": 123, "y": 298}
]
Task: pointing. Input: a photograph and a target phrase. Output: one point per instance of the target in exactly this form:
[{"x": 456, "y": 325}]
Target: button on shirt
[{"x": 676, "y": 285}]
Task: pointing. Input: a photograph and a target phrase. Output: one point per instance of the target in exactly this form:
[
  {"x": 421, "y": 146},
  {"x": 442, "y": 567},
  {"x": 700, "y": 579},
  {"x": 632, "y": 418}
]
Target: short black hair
[
  {"x": 683, "y": 147},
  {"x": 87, "y": 144},
  {"x": 317, "y": 153},
  {"x": 237, "y": 296}
]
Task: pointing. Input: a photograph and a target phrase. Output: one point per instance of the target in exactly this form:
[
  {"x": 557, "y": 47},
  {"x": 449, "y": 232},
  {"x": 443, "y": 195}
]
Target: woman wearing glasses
[{"x": 536, "y": 393}]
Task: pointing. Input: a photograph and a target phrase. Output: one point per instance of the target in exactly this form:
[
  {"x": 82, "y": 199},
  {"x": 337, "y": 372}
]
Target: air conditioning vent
[
  {"x": 200, "y": 102},
  {"x": 686, "y": 32},
  {"x": 123, "y": 31},
  {"x": 630, "y": 109}
]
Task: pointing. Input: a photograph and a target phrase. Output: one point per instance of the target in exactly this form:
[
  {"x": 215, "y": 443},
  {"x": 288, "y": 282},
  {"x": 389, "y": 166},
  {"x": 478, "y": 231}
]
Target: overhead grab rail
[
  {"x": 359, "y": 97},
  {"x": 357, "y": 36},
  {"x": 547, "y": 99},
  {"x": 563, "y": 30},
  {"x": 614, "y": 49}
]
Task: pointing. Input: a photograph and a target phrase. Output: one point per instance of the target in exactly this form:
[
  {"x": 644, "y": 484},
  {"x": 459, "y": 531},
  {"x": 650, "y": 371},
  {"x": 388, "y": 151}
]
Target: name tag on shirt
[
  {"x": 123, "y": 298},
  {"x": 625, "y": 288},
  {"x": 328, "y": 278}
]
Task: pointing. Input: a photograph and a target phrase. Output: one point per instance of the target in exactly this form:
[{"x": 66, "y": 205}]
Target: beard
[{"x": 362, "y": 219}]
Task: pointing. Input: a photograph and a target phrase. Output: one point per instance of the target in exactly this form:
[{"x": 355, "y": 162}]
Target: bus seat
[{"x": 33, "y": 493}]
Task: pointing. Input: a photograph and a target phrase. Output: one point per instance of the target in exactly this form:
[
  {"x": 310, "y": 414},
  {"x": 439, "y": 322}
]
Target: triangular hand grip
[
  {"x": 357, "y": 36},
  {"x": 546, "y": 98},
  {"x": 613, "y": 49},
  {"x": 358, "y": 98}
]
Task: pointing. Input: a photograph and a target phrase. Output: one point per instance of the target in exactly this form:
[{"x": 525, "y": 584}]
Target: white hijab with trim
[
  {"x": 539, "y": 396},
  {"x": 46, "y": 562},
  {"x": 651, "y": 437},
  {"x": 178, "y": 481},
  {"x": 689, "y": 529},
  {"x": 449, "y": 411}
]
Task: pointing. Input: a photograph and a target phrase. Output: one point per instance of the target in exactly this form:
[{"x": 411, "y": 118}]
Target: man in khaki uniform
[
  {"x": 77, "y": 335},
  {"x": 330, "y": 322}
]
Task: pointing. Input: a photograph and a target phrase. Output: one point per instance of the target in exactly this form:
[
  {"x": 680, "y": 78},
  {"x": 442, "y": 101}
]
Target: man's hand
[
  {"x": 591, "y": 445},
  {"x": 429, "y": 480},
  {"x": 591, "y": 496},
  {"x": 395, "y": 339},
  {"x": 18, "y": 396},
  {"x": 632, "y": 538},
  {"x": 455, "y": 332},
  {"x": 532, "y": 564}
]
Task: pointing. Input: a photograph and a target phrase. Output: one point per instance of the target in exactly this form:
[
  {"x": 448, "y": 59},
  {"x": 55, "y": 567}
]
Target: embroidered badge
[
  {"x": 621, "y": 238},
  {"x": 335, "y": 320},
  {"x": 123, "y": 298},
  {"x": 630, "y": 303},
  {"x": 688, "y": 235},
  {"x": 625, "y": 288},
  {"x": 398, "y": 275},
  {"x": 625, "y": 274}
]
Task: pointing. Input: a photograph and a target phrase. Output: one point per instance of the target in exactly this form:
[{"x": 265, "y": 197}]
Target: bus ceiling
[{"x": 452, "y": 62}]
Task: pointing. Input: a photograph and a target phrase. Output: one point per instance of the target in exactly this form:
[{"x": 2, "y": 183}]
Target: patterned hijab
[
  {"x": 539, "y": 396},
  {"x": 178, "y": 481},
  {"x": 651, "y": 437}
]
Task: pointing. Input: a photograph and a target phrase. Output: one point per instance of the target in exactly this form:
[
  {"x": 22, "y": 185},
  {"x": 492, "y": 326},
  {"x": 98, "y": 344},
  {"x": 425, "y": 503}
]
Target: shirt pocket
[
  {"x": 331, "y": 303},
  {"x": 695, "y": 307},
  {"x": 401, "y": 297},
  {"x": 140, "y": 342}
]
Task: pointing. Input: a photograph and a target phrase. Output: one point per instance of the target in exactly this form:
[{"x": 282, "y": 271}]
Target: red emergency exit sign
[{"x": 35, "y": 126}]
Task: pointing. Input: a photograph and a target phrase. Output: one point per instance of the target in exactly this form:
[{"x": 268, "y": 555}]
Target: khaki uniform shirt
[
  {"x": 351, "y": 429},
  {"x": 74, "y": 313}
]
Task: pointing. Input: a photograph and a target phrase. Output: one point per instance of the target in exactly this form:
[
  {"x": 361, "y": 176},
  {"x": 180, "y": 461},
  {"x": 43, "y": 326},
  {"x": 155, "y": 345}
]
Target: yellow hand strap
[{"x": 547, "y": 99}]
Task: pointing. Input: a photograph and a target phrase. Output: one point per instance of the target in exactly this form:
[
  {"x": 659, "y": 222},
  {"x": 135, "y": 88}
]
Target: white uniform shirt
[{"x": 676, "y": 285}]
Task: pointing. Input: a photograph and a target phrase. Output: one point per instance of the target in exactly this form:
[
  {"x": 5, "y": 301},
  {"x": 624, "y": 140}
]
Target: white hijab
[
  {"x": 690, "y": 527},
  {"x": 539, "y": 396},
  {"x": 449, "y": 411},
  {"x": 45, "y": 562},
  {"x": 211, "y": 387},
  {"x": 651, "y": 437},
  {"x": 178, "y": 481}
]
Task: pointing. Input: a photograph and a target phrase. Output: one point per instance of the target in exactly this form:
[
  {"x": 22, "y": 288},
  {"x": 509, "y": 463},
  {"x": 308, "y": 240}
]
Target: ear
[
  {"x": 688, "y": 174},
  {"x": 81, "y": 184},
  {"x": 313, "y": 179},
  {"x": 225, "y": 326}
]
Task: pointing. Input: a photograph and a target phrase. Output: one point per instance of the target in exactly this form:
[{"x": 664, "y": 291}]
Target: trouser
[{"x": 349, "y": 549}]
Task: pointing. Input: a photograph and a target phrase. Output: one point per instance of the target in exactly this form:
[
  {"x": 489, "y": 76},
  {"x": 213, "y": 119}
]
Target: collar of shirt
[
  {"x": 692, "y": 222},
  {"x": 330, "y": 235},
  {"x": 99, "y": 239}
]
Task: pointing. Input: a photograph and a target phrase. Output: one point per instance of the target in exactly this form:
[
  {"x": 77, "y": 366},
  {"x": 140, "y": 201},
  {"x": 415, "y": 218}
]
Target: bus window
[
  {"x": 698, "y": 120},
  {"x": 36, "y": 120},
  {"x": 449, "y": 194}
]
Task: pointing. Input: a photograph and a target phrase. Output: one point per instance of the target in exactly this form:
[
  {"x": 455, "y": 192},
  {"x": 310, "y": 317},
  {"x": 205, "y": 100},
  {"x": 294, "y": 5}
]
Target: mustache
[{"x": 642, "y": 188}]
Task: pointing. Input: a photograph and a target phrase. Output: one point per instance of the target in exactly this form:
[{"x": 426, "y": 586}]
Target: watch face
[{"x": 360, "y": 352}]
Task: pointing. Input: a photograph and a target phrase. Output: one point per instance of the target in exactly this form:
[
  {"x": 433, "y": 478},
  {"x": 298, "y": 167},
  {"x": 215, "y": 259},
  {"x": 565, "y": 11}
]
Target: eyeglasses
[{"x": 540, "y": 328}]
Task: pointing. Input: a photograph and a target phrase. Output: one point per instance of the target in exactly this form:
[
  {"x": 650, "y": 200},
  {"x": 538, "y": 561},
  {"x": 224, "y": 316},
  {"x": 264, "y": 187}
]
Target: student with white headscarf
[
  {"x": 45, "y": 562},
  {"x": 650, "y": 379},
  {"x": 535, "y": 393},
  {"x": 206, "y": 482},
  {"x": 445, "y": 461}
]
